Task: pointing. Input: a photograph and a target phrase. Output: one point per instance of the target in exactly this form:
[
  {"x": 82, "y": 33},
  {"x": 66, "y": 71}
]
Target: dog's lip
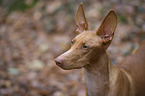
[{"x": 68, "y": 68}]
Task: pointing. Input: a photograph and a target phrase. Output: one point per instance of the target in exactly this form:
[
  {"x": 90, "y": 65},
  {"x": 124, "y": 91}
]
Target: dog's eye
[
  {"x": 85, "y": 47},
  {"x": 72, "y": 42}
]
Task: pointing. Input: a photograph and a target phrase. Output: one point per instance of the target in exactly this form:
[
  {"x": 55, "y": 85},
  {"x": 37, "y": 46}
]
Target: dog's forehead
[
  {"x": 85, "y": 35},
  {"x": 88, "y": 37}
]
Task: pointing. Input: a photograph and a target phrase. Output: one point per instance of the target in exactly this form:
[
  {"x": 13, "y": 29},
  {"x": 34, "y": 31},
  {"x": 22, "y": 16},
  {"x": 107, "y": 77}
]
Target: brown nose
[{"x": 59, "y": 61}]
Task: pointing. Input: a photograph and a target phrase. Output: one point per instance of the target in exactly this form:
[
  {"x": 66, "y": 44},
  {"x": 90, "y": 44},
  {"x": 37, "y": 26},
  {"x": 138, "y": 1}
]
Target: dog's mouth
[
  {"x": 67, "y": 67},
  {"x": 71, "y": 68}
]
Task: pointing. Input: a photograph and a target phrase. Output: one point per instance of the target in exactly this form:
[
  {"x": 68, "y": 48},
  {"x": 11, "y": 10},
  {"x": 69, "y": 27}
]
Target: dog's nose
[{"x": 59, "y": 62}]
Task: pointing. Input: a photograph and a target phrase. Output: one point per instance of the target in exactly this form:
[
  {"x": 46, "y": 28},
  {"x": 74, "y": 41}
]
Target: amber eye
[
  {"x": 72, "y": 42},
  {"x": 85, "y": 47}
]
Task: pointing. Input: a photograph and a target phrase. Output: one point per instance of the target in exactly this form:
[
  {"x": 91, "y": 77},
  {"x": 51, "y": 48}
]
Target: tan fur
[{"x": 88, "y": 51}]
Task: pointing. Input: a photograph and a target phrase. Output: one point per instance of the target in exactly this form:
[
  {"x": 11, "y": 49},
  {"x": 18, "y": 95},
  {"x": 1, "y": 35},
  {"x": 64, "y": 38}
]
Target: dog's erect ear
[
  {"x": 80, "y": 19},
  {"x": 108, "y": 26}
]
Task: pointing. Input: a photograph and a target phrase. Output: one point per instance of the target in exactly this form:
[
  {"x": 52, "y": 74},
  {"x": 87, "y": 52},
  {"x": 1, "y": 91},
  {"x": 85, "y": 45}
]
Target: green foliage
[
  {"x": 17, "y": 5},
  {"x": 122, "y": 18},
  {"x": 0, "y": 2}
]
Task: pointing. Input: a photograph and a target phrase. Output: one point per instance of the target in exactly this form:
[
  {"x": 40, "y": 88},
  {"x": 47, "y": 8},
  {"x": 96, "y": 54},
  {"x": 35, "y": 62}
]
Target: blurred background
[{"x": 34, "y": 32}]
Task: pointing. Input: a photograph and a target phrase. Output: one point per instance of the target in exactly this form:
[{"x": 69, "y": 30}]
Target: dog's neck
[{"x": 97, "y": 76}]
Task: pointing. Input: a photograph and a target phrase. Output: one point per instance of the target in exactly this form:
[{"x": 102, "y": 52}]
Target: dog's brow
[{"x": 80, "y": 37}]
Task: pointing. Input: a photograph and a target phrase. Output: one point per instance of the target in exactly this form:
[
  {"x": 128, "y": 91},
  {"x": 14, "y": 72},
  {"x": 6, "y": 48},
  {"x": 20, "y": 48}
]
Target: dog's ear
[
  {"x": 80, "y": 19},
  {"x": 107, "y": 28}
]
